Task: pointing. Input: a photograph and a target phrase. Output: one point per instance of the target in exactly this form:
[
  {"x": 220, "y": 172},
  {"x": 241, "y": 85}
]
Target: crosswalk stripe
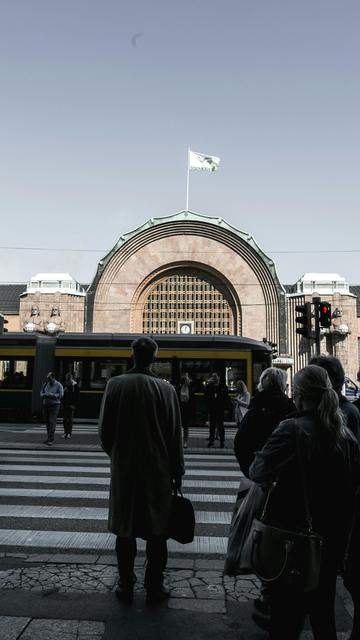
[
  {"x": 93, "y": 513},
  {"x": 99, "y": 461},
  {"x": 213, "y": 484},
  {"x": 104, "y": 470},
  {"x": 101, "y": 541},
  {"x": 101, "y": 495}
]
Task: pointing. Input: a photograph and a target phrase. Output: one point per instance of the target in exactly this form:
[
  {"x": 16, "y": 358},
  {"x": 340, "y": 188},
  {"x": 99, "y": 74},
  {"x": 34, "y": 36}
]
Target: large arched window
[{"x": 187, "y": 296}]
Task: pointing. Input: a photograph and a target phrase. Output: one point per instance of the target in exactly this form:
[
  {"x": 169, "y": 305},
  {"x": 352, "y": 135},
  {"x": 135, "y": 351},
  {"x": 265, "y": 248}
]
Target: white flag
[{"x": 201, "y": 161}]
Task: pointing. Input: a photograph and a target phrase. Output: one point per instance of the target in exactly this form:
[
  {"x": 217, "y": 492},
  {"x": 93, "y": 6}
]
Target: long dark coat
[
  {"x": 267, "y": 409},
  {"x": 332, "y": 474},
  {"x": 140, "y": 430}
]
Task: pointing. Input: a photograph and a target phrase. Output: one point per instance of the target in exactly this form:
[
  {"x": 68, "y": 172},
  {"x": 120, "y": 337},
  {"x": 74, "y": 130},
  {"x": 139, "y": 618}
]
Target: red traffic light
[{"x": 325, "y": 315}]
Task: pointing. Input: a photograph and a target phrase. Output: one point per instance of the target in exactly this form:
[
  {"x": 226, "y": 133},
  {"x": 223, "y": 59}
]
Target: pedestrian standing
[
  {"x": 241, "y": 401},
  {"x": 330, "y": 458},
  {"x": 217, "y": 400},
  {"x": 336, "y": 374},
  {"x": 185, "y": 396},
  {"x": 51, "y": 393},
  {"x": 140, "y": 429},
  {"x": 267, "y": 409},
  {"x": 69, "y": 402}
]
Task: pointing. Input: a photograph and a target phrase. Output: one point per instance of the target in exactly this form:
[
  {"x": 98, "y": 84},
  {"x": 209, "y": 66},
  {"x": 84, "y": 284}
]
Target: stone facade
[
  {"x": 71, "y": 308},
  {"x": 142, "y": 258}
]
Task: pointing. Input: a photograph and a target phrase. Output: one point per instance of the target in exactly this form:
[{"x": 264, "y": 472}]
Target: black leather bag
[
  {"x": 181, "y": 524},
  {"x": 282, "y": 558}
]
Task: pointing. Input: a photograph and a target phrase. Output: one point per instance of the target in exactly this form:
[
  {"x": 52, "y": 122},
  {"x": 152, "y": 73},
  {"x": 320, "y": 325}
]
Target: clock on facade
[{"x": 185, "y": 327}]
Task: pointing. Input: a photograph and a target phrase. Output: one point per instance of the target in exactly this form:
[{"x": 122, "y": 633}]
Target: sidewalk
[{"x": 72, "y": 598}]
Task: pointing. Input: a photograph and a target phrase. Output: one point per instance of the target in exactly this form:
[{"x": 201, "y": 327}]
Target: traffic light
[
  {"x": 304, "y": 319},
  {"x": 325, "y": 315}
]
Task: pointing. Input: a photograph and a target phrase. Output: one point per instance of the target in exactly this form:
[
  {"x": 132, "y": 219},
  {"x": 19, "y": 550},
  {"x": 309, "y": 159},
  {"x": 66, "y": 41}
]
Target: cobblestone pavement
[
  {"x": 195, "y": 585},
  {"x": 189, "y": 583}
]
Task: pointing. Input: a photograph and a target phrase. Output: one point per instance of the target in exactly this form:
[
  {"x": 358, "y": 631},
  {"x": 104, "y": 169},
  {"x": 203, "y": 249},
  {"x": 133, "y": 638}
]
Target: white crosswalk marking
[{"x": 57, "y": 492}]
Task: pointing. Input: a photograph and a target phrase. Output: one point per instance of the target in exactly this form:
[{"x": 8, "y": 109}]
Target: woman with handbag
[{"x": 313, "y": 462}]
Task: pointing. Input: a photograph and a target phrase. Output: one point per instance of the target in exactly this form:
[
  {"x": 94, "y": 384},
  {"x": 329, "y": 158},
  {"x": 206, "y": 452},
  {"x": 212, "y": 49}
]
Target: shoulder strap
[{"x": 303, "y": 479}]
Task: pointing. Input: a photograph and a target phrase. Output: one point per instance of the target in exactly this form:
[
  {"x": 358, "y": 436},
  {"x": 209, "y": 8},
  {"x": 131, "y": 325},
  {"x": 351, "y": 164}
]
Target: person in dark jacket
[
  {"x": 69, "y": 402},
  {"x": 336, "y": 374},
  {"x": 266, "y": 410},
  {"x": 51, "y": 394},
  {"x": 140, "y": 429},
  {"x": 216, "y": 400},
  {"x": 331, "y": 459},
  {"x": 186, "y": 398}
]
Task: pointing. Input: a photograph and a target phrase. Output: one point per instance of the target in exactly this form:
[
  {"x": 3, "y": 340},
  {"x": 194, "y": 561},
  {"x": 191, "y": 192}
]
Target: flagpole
[{"x": 188, "y": 180}]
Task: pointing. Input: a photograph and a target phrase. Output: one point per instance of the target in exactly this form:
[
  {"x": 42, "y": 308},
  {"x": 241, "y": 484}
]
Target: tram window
[
  {"x": 235, "y": 371},
  {"x": 163, "y": 369},
  {"x": 258, "y": 368},
  {"x": 13, "y": 373},
  {"x": 102, "y": 370},
  {"x": 198, "y": 370},
  {"x": 75, "y": 367}
]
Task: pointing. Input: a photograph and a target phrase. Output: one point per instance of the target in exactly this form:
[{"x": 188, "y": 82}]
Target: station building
[{"x": 189, "y": 273}]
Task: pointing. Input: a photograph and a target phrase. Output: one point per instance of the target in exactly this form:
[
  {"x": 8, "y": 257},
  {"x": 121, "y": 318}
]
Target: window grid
[{"x": 184, "y": 297}]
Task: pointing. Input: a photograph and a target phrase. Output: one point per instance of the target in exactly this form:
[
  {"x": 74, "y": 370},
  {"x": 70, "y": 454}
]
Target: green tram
[{"x": 94, "y": 358}]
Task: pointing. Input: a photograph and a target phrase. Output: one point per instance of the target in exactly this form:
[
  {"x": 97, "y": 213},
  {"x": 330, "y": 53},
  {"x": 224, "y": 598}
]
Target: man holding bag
[{"x": 140, "y": 429}]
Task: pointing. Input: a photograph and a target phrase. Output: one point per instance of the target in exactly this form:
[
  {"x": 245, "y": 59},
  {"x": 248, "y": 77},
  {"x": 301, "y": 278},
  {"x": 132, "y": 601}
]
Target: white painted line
[
  {"x": 103, "y": 495},
  {"x": 54, "y": 493},
  {"x": 105, "y": 470},
  {"x": 94, "y": 513},
  {"x": 104, "y": 541},
  {"x": 213, "y": 484}
]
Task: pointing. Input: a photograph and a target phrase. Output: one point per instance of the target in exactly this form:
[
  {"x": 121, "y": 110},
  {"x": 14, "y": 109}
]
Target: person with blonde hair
[
  {"x": 331, "y": 460},
  {"x": 241, "y": 401},
  {"x": 266, "y": 410}
]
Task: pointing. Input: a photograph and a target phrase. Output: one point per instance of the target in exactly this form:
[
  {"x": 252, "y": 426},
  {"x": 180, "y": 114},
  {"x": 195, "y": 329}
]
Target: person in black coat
[
  {"x": 185, "y": 395},
  {"x": 268, "y": 407},
  {"x": 336, "y": 374},
  {"x": 331, "y": 458},
  {"x": 69, "y": 403},
  {"x": 216, "y": 400}
]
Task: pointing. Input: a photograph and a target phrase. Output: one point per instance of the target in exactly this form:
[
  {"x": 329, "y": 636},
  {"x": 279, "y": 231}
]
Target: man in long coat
[{"x": 140, "y": 429}]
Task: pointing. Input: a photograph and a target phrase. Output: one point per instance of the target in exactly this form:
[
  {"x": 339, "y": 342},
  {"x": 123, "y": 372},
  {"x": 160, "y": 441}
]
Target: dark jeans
[
  {"x": 288, "y": 610},
  {"x": 50, "y": 415},
  {"x": 216, "y": 421},
  {"x": 68, "y": 418},
  {"x": 156, "y": 553}
]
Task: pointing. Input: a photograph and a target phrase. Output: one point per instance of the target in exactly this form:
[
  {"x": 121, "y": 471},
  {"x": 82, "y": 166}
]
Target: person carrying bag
[
  {"x": 301, "y": 583},
  {"x": 282, "y": 557}
]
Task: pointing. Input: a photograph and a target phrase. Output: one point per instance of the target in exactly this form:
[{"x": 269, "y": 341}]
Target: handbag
[
  {"x": 181, "y": 525},
  {"x": 283, "y": 558},
  {"x": 246, "y": 508}
]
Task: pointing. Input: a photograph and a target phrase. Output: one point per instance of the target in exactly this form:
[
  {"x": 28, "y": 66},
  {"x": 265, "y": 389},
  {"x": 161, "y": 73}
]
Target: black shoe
[
  {"x": 45, "y": 441},
  {"x": 126, "y": 596},
  {"x": 50, "y": 443},
  {"x": 210, "y": 444},
  {"x": 157, "y": 596},
  {"x": 262, "y": 621},
  {"x": 222, "y": 445}
]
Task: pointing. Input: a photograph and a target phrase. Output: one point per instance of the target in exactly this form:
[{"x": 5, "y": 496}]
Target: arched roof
[{"x": 189, "y": 217}]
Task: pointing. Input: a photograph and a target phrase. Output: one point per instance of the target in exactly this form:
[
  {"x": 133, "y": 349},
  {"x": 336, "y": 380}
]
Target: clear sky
[{"x": 101, "y": 98}]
